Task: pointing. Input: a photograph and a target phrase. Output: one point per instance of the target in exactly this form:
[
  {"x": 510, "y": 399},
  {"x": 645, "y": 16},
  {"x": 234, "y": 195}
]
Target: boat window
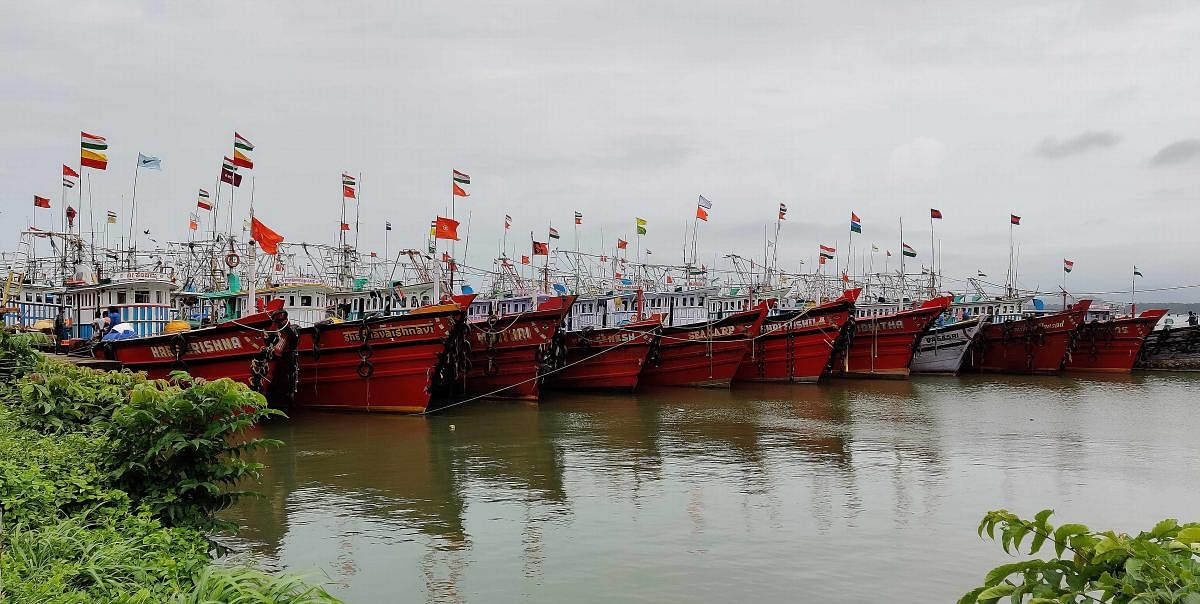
[
  {"x": 291, "y": 300},
  {"x": 158, "y": 296},
  {"x": 120, "y": 297},
  {"x": 305, "y": 300},
  {"x": 141, "y": 296}
]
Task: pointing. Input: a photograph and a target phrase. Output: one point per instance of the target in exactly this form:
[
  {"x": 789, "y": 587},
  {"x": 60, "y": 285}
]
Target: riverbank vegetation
[
  {"x": 110, "y": 484},
  {"x": 1161, "y": 565}
]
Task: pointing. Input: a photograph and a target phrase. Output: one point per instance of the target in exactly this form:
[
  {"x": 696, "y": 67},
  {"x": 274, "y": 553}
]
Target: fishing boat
[
  {"x": 246, "y": 350},
  {"x": 944, "y": 347},
  {"x": 705, "y": 354},
  {"x": 604, "y": 349},
  {"x": 1112, "y": 345},
  {"x": 380, "y": 364},
  {"x": 515, "y": 346},
  {"x": 798, "y": 345},
  {"x": 883, "y": 343},
  {"x": 1036, "y": 344}
]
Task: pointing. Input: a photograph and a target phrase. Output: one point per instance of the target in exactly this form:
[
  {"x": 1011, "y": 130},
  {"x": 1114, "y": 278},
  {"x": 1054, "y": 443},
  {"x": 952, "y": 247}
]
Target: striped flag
[
  {"x": 578, "y": 218},
  {"x": 348, "y": 186},
  {"x": 855, "y": 223},
  {"x": 241, "y": 147},
  {"x": 908, "y": 250},
  {"x": 112, "y": 217},
  {"x": 229, "y": 173},
  {"x": 202, "y": 200},
  {"x": 553, "y": 233},
  {"x": 92, "y": 151},
  {"x": 69, "y": 176},
  {"x": 1068, "y": 265},
  {"x": 640, "y": 225},
  {"x": 827, "y": 252},
  {"x": 387, "y": 226},
  {"x": 783, "y": 211},
  {"x": 41, "y": 202},
  {"x": 460, "y": 178},
  {"x": 1136, "y": 272},
  {"x": 704, "y": 203},
  {"x": 507, "y": 222}
]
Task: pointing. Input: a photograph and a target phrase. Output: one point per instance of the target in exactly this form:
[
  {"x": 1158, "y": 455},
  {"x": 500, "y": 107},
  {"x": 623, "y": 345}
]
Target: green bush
[{"x": 1157, "y": 566}]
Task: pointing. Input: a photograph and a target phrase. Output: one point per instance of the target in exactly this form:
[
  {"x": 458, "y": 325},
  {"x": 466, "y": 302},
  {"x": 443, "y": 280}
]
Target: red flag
[
  {"x": 1013, "y": 218},
  {"x": 622, "y": 244},
  {"x": 701, "y": 213},
  {"x": 445, "y": 228},
  {"x": 41, "y": 202},
  {"x": 71, "y": 216},
  {"x": 268, "y": 239},
  {"x": 459, "y": 192},
  {"x": 541, "y": 249},
  {"x": 347, "y": 192},
  {"x": 192, "y": 226},
  {"x": 345, "y": 226},
  {"x": 524, "y": 259},
  {"x": 935, "y": 214},
  {"x": 445, "y": 257},
  {"x": 374, "y": 255},
  {"x": 67, "y": 171},
  {"x": 821, "y": 260}
]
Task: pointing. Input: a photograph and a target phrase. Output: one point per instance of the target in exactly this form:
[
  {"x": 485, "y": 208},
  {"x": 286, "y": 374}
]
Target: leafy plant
[{"x": 1160, "y": 565}]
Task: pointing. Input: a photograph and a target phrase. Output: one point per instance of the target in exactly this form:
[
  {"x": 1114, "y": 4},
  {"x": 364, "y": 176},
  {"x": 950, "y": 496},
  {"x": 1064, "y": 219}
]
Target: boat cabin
[
  {"x": 143, "y": 299},
  {"x": 24, "y": 304}
]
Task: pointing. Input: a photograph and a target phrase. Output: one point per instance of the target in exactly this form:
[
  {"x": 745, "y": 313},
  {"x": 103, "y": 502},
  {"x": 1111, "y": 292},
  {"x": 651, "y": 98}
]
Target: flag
[
  {"x": 41, "y": 202},
  {"x": 460, "y": 178},
  {"x": 374, "y": 255},
  {"x": 935, "y": 214},
  {"x": 445, "y": 228},
  {"x": 783, "y": 211},
  {"x": 1137, "y": 272},
  {"x": 578, "y": 218},
  {"x": 554, "y": 233},
  {"x": 855, "y": 223},
  {"x": 241, "y": 160},
  {"x": 1014, "y": 219},
  {"x": 202, "y": 200},
  {"x": 70, "y": 217},
  {"x": 507, "y": 222},
  {"x": 702, "y": 213},
  {"x": 432, "y": 228},
  {"x": 148, "y": 162},
  {"x": 541, "y": 249},
  {"x": 68, "y": 176},
  {"x": 459, "y": 192},
  {"x": 845, "y": 277},
  {"x": 640, "y": 224},
  {"x": 446, "y": 257},
  {"x": 1068, "y": 265},
  {"x": 874, "y": 248},
  {"x": 889, "y": 253},
  {"x": 524, "y": 259},
  {"x": 348, "y": 185},
  {"x": 240, "y": 144},
  {"x": 268, "y": 239},
  {"x": 387, "y": 226},
  {"x": 908, "y": 250},
  {"x": 68, "y": 183},
  {"x": 704, "y": 203},
  {"x": 91, "y": 151},
  {"x": 979, "y": 273},
  {"x": 822, "y": 259},
  {"x": 112, "y": 217},
  {"x": 229, "y": 173},
  {"x": 345, "y": 226},
  {"x": 826, "y": 252},
  {"x": 622, "y": 244},
  {"x": 193, "y": 222}
]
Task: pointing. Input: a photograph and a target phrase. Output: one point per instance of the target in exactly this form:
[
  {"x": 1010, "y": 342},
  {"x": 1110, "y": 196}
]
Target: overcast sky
[{"x": 1082, "y": 118}]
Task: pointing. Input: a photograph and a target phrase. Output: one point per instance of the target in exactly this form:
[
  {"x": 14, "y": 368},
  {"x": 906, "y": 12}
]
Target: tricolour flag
[
  {"x": 112, "y": 217},
  {"x": 203, "y": 201},
  {"x": 460, "y": 178},
  {"x": 92, "y": 151},
  {"x": 933, "y": 213},
  {"x": 41, "y": 202},
  {"x": 578, "y": 217},
  {"x": 69, "y": 176},
  {"x": 541, "y": 248},
  {"x": 445, "y": 228},
  {"x": 704, "y": 203},
  {"x": 348, "y": 185},
  {"x": 622, "y": 244},
  {"x": 1068, "y": 265},
  {"x": 783, "y": 211},
  {"x": 241, "y": 146},
  {"x": 640, "y": 225},
  {"x": 269, "y": 240},
  {"x": 148, "y": 162},
  {"x": 827, "y": 251},
  {"x": 908, "y": 250},
  {"x": 387, "y": 226},
  {"x": 979, "y": 273},
  {"x": 507, "y": 222},
  {"x": 1137, "y": 272},
  {"x": 240, "y": 142},
  {"x": 68, "y": 183},
  {"x": 1014, "y": 219},
  {"x": 554, "y": 233},
  {"x": 874, "y": 248},
  {"x": 458, "y": 191},
  {"x": 855, "y": 223},
  {"x": 229, "y": 173}
]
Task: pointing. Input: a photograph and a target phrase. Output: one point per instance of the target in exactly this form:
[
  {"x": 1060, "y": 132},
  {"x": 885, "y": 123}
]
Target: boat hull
[
  {"x": 605, "y": 359},
  {"x": 247, "y": 350},
  {"x": 798, "y": 347},
  {"x": 1112, "y": 346},
  {"x": 705, "y": 355},
  {"x": 1033, "y": 345},
  {"x": 1176, "y": 349},
  {"x": 943, "y": 350},
  {"x": 883, "y": 347},
  {"x": 395, "y": 371},
  {"x": 509, "y": 355}
]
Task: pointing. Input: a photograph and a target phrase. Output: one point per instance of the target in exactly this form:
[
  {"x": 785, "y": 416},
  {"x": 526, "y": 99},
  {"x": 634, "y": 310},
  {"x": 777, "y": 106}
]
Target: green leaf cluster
[{"x": 1161, "y": 565}]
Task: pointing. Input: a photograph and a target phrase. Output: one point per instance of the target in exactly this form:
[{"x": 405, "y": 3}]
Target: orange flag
[
  {"x": 701, "y": 213},
  {"x": 445, "y": 228},
  {"x": 458, "y": 191},
  {"x": 268, "y": 239}
]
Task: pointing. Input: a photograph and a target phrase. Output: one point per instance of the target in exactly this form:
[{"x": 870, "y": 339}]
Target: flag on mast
[
  {"x": 241, "y": 146},
  {"x": 193, "y": 222},
  {"x": 229, "y": 173},
  {"x": 827, "y": 252},
  {"x": 783, "y": 211},
  {"x": 1014, "y": 219},
  {"x": 459, "y": 192},
  {"x": 149, "y": 162},
  {"x": 41, "y": 202},
  {"x": 541, "y": 248},
  {"x": 640, "y": 225},
  {"x": 935, "y": 214},
  {"x": 348, "y": 186},
  {"x": 70, "y": 217},
  {"x": 908, "y": 250},
  {"x": 91, "y": 151},
  {"x": 507, "y": 222},
  {"x": 112, "y": 217},
  {"x": 267, "y": 239},
  {"x": 203, "y": 201},
  {"x": 445, "y": 228},
  {"x": 702, "y": 207},
  {"x": 622, "y": 244},
  {"x": 460, "y": 178},
  {"x": 578, "y": 217},
  {"x": 387, "y": 225},
  {"x": 1068, "y": 265},
  {"x": 68, "y": 176},
  {"x": 554, "y": 233},
  {"x": 1136, "y": 272},
  {"x": 855, "y": 223}
]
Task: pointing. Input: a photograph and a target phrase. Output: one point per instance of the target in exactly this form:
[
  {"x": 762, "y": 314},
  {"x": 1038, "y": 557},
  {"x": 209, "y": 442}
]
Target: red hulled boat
[
  {"x": 798, "y": 346},
  {"x": 1033, "y": 345},
  {"x": 509, "y": 354},
  {"x": 1112, "y": 346},
  {"x": 606, "y": 358},
  {"x": 883, "y": 346},
  {"x": 702, "y": 354},
  {"x": 245, "y": 350},
  {"x": 390, "y": 364}
]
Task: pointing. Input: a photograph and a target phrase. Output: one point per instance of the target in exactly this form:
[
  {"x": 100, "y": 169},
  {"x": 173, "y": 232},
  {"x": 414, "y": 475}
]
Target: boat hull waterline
[
  {"x": 1032, "y": 345},
  {"x": 704, "y": 354}
]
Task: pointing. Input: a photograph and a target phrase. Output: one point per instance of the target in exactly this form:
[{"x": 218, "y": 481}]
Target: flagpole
[
  {"x": 251, "y": 262},
  {"x": 63, "y": 227},
  {"x": 1133, "y": 292},
  {"x": 358, "y": 207},
  {"x": 1008, "y": 280},
  {"x": 932, "y": 256},
  {"x": 92, "y": 217},
  {"x": 133, "y": 212}
]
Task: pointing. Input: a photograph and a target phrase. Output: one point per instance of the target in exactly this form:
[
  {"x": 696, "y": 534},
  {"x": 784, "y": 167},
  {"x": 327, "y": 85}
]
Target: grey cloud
[
  {"x": 1052, "y": 148},
  {"x": 1177, "y": 152}
]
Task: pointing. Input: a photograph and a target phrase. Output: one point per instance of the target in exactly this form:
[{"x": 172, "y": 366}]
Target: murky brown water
[{"x": 845, "y": 492}]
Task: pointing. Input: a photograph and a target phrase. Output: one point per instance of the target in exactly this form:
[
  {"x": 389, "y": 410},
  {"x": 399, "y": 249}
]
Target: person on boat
[
  {"x": 60, "y": 328},
  {"x": 114, "y": 317},
  {"x": 98, "y": 325},
  {"x": 1192, "y": 320}
]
